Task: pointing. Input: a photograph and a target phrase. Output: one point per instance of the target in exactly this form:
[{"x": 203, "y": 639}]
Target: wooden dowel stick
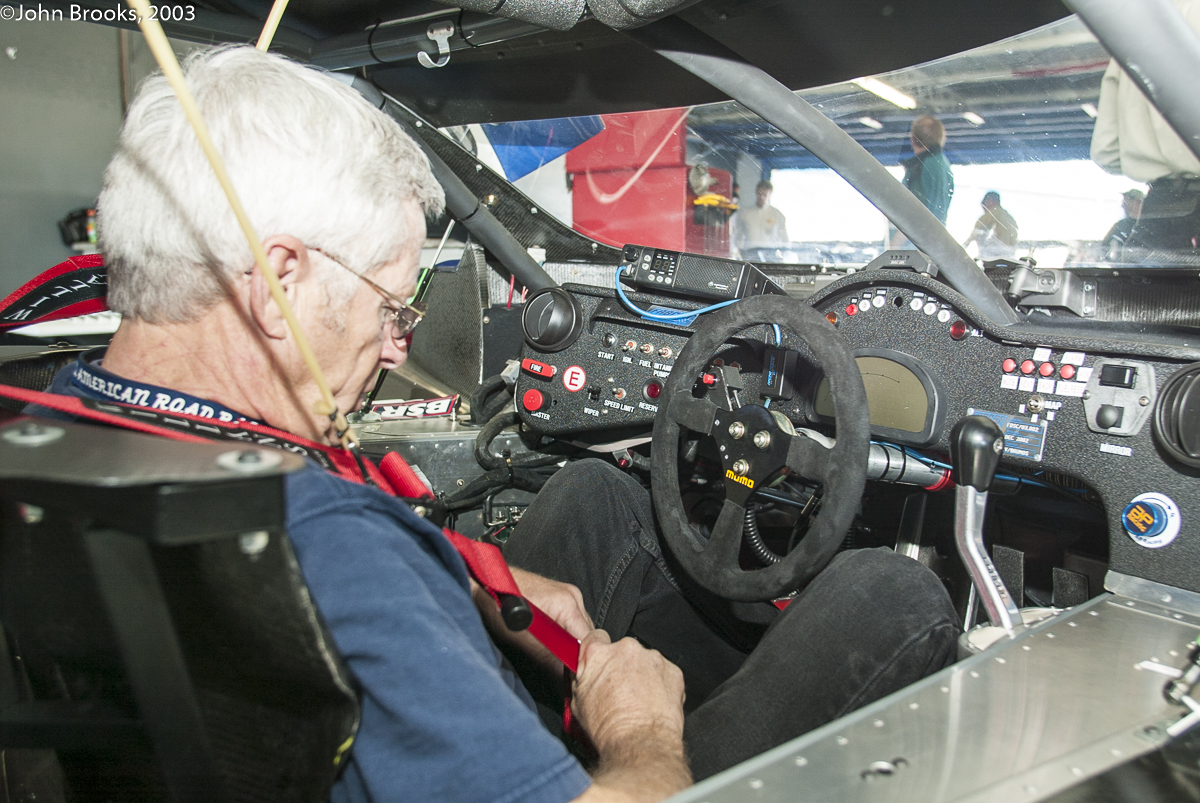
[{"x": 272, "y": 23}]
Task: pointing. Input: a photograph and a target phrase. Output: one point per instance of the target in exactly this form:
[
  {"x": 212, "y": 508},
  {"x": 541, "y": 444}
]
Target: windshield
[{"x": 1015, "y": 177}]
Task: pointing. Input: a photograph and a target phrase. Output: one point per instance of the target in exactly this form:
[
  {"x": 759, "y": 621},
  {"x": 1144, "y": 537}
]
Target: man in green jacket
[{"x": 927, "y": 173}]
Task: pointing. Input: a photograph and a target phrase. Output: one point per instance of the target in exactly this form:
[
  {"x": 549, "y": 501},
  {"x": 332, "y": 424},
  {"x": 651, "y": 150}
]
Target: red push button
[
  {"x": 708, "y": 379},
  {"x": 851, "y": 309},
  {"x": 1067, "y": 372},
  {"x": 1009, "y": 365},
  {"x": 534, "y": 400},
  {"x": 537, "y": 368},
  {"x": 1046, "y": 369},
  {"x": 1027, "y": 367}
]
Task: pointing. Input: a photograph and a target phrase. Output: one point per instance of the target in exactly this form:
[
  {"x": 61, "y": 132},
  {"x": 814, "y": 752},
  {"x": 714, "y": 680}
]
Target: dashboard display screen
[{"x": 895, "y": 395}]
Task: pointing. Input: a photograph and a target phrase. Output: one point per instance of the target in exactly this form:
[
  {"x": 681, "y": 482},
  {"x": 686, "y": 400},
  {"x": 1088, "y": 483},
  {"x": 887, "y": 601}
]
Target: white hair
[{"x": 308, "y": 156}]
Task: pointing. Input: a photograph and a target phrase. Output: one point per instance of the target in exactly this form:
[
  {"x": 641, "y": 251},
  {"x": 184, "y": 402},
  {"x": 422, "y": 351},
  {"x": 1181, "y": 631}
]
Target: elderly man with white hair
[{"x": 339, "y": 194}]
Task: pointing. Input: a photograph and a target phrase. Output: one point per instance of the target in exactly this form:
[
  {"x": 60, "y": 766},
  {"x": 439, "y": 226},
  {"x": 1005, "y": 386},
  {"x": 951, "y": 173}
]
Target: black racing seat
[{"x": 158, "y": 634}]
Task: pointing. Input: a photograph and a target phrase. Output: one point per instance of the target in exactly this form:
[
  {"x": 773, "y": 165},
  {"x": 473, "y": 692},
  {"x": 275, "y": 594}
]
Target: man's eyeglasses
[{"x": 403, "y": 316}]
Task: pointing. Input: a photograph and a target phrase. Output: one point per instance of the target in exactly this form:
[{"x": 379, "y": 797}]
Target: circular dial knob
[{"x": 552, "y": 320}]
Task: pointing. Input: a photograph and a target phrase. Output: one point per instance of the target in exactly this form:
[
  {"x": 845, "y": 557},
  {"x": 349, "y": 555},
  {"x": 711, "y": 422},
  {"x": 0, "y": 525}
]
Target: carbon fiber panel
[
  {"x": 448, "y": 345},
  {"x": 1138, "y": 299}
]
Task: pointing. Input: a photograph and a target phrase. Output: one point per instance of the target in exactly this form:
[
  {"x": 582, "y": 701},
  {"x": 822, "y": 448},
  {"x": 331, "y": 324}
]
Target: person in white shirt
[
  {"x": 759, "y": 226},
  {"x": 995, "y": 231}
]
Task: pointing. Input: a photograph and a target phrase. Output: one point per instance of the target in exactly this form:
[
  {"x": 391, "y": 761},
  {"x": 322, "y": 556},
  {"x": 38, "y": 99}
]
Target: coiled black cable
[{"x": 754, "y": 537}]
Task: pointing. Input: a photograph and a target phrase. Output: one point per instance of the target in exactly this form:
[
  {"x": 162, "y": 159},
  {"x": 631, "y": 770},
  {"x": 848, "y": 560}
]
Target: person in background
[
  {"x": 759, "y": 226},
  {"x": 1132, "y": 138},
  {"x": 1114, "y": 242},
  {"x": 927, "y": 172},
  {"x": 995, "y": 232}
]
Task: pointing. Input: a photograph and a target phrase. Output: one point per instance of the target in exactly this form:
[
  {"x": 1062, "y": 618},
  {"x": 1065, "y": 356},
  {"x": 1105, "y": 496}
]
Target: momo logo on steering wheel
[{"x": 749, "y": 483}]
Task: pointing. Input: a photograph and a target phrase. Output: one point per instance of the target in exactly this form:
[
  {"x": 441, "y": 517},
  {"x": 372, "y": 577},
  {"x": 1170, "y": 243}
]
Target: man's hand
[
  {"x": 562, "y": 602},
  {"x": 630, "y": 701}
]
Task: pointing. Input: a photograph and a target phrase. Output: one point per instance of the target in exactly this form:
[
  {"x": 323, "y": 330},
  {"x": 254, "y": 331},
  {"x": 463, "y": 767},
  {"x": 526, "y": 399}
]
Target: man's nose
[{"x": 394, "y": 353}]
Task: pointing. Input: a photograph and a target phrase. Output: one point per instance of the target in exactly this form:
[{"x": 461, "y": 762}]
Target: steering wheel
[{"x": 754, "y": 448}]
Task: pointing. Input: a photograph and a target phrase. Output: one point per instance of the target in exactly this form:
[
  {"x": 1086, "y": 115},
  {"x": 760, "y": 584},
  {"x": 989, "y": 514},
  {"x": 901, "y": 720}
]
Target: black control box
[{"x": 693, "y": 275}]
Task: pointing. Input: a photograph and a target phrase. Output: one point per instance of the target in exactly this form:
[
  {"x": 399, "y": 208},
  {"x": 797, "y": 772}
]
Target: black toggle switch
[
  {"x": 1118, "y": 376},
  {"x": 1109, "y": 416}
]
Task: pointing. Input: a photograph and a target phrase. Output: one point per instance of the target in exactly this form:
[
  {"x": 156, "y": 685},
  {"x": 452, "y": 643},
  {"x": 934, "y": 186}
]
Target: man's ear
[{"x": 288, "y": 257}]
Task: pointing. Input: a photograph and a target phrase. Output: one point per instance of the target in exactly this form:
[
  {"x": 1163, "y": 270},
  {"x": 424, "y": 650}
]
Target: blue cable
[
  {"x": 678, "y": 318},
  {"x": 778, "y": 335}
]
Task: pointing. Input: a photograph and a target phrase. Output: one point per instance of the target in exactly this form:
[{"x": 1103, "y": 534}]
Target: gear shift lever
[{"x": 976, "y": 443}]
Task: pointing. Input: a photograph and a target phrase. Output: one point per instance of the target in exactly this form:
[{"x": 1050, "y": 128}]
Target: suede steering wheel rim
[{"x": 713, "y": 562}]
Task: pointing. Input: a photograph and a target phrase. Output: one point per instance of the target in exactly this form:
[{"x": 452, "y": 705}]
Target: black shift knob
[{"x": 976, "y": 444}]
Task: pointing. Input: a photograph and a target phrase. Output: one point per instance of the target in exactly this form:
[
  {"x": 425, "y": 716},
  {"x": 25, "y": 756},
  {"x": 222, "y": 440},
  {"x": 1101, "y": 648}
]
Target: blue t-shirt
[{"x": 443, "y": 717}]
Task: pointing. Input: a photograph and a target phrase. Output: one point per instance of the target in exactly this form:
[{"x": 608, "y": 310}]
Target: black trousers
[{"x": 868, "y": 625}]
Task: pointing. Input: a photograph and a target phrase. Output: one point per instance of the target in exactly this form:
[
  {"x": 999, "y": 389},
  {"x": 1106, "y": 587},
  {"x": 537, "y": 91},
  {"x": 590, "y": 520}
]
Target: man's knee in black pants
[{"x": 592, "y": 526}]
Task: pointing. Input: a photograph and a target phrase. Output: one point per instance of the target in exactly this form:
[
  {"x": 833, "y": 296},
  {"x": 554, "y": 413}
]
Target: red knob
[
  {"x": 1067, "y": 372},
  {"x": 1027, "y": 367},
  {"x": 534, "y": 400},
  {"x": 1009, "y": 365},
  {"x": 1046, "y": 369}
]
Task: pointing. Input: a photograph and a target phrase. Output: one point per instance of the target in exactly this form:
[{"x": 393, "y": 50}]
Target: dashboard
[{"x": 1081, "y": 408}]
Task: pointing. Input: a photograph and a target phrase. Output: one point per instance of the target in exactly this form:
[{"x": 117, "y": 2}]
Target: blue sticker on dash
[
  {"x": 1152, "y": 520},
  {"x": 1023, "y": 437},
  {"x": 1144, "y": 518}
]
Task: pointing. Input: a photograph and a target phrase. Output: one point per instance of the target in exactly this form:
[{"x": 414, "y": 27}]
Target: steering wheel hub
[{"x": 753, "y": 449}]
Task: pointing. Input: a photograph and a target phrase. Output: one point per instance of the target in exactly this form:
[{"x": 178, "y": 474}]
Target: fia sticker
[{"x": 574, "y": 379}]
